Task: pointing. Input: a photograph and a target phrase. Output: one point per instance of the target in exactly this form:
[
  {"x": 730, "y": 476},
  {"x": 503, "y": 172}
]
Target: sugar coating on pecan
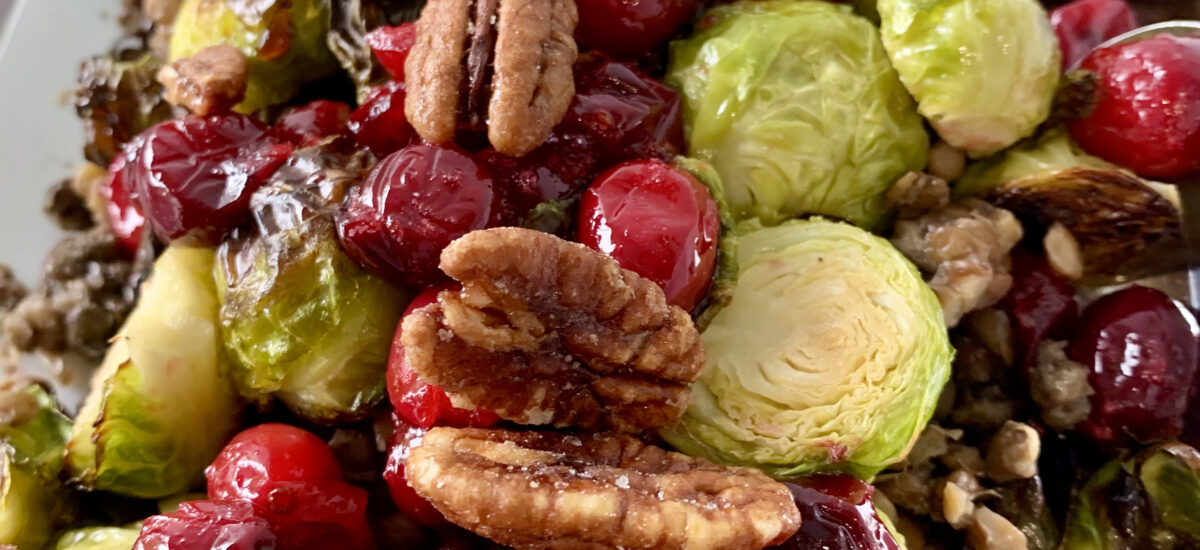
[
  {"x": 546, "y": 490},
  {"x": 546, "y": 331},
  {"x": 212, "y": 81}
]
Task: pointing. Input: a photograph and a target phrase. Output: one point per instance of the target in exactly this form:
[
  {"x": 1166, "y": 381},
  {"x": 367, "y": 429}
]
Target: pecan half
[
  {"x": 505, "y": 64},
  {"x": 547, "y": 331},
  {"x": 212, "y": 81},
  {"x": 544, "y": 490}
]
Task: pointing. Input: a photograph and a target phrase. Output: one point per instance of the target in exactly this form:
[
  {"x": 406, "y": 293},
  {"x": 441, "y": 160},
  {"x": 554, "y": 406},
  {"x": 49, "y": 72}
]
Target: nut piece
[
  {"x": 545, "y": 490},
  {"x": 508, "y": 59},
  {"x": 1013, "y": 452},
  {"x": 1059, "y": 386},
  {"x": 551, "y": 332},
  {"x": 212, "y": 81},
  {"x": 991, "y": 531},
  {"x": 946, "y": 162},
  {"x": 916, "y": 193},
  {"x": 1062, "y": 251}
]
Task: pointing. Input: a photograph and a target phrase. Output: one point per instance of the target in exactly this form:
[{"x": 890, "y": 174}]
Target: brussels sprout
[
  {"x": 302, "y": 322},
  {"x": 32, "y": 501},
  {"x": 1149, "y": 501},
  {"x": 159, "y": 408},
  {"x": 829, "y": 357},
  {"x": 117, "y": 100},
  {"x": 99, "y": 538},
  {"x": 1052, "y": 150},
  {"x": 796, "y": 106},
  {"x": 284, "y": 42},
  {"x": 984, "y": 72}
]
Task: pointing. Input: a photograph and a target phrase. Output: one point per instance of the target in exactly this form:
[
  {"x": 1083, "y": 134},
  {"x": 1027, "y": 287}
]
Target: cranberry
[
  {"x": 658, "y": 221},
  {"x": 1041, "y": 303},
  {"x": 625, "y": 29},
  {"x": 1141, "y": 349},
  {"x": 407, "y": 500},
  {"x": 124, "y": 214},
  {"x": 306, "y": 125},
  {"x": 379, "y": 123},
  {"x": 322, "y": 508},
  {"x": 193, "y": 176},
  {"x": 206, "y": 524},
  {"x": 1147, "y": 117},
  {"x": 391, "y": 46},
  {"x": 557, "y": 170},
  {"x": 411, "y": 206},
  {"x": 266, "y": 454},
  {"x": 838, "y": 515},
  {"x": 1084, "y": 24}
]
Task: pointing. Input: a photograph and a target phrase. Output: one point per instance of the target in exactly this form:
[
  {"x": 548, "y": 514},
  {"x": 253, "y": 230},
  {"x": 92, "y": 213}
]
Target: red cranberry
[
  {"x": 411, "y": 206},
  {"x": 306, "y": 125},
  {"x": 1041, "y": 303},
  {"x": 379, "y": 123},
  {"x": 391, "y": 46},
  {"x": 657, "y": 221},
  {"x": 837, "y": 514},
  {"x": 625, "y": 29},
  {"x": 626, "y": 113},
  {"x": 322, "y": 509},
  {"x": 1147, "y": 117},
  {"x": 1141, "y": 349},
  {"x": 557, "y": 170},
  {"x": 193, "y": 176},
  {"x": 406, "y": 498},
  {"x": 266, "y": 454},
  {"x": 207, "y": 524},
  {"x": 124, "y": 214},
  {"x": 1085, "y": 24}
]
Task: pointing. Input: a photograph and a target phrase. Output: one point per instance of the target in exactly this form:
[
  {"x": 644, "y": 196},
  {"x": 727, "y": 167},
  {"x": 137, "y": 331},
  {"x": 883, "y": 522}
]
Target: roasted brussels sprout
[
  {"x": 116, "y": 100},
  {"x": 830, "y": 356},
  {"x": 283, "y": 41},
  {"x": 160, "y": 408},
  {"x": 1151, "y": 500},
  {"x": 1052, "y": 150},
  {"x": 99, "y": 538},
  {"x": 984, "y": 72},
  {"x": 33, "y": 503},
  {"x": 797, "y": 107}
]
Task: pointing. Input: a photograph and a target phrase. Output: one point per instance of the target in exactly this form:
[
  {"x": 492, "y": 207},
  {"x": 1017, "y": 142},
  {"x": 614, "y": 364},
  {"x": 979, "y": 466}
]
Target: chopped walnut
[
  {"x": 957, "y": 505},
  {"x": 212, "y": 81},
  {"x": 963, "y": 457},
  {"x": 916, "y": 193},
  {"x": 546, "y": 331},
  {"x": 1013, "y": 452},
  {"x": 161, "y": 12},
  {"x": 11, "y": 290},
  {"x": 965, "y": 246},
  {"x": 946, "y": 161},
  {"x": 1063, "y": 252},
  {"x": 16, "y": 405},
  {"x": 991, "y": 531},
  {"x": 933, "y": 442},
  {"x": 546, "y": 490},
  {"x": 911, "y": 490},
  {"x": 993, "y": 328},
  {"x": 1059, "y": 386}
]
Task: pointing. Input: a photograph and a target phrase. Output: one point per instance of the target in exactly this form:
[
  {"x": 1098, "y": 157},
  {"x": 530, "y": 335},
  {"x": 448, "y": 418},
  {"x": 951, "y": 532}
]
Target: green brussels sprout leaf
[
  {"x": 99, "y": 538},
  {"x": 33, "y": 503}
]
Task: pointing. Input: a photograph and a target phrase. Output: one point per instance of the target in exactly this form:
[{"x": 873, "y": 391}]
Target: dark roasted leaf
[
  {"x": 350, "y": 21},
  {"x": 117, "y": 100}
]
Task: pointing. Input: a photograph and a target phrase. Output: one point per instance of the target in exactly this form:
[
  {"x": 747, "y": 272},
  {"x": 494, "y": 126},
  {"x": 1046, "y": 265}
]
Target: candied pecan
[
  {"x": 547, "y": 331},
  {"x": 546, "y": 490},
  {"x": 212, "y": 81}
]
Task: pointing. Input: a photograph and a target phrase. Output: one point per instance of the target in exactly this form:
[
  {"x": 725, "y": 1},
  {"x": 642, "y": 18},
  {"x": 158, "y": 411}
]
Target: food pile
[{"x": 558, "y": 274}]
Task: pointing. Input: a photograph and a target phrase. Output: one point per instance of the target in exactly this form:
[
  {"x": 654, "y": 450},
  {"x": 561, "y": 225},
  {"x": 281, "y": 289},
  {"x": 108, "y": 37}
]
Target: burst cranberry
[
  {"x": 407, "y": 500},
  {"x": 1141, "y": 349},
  {"x": 411, "y": 206},
  {"x": 837, "y": 514},
  {"x": 322, "y": 508},
  {"x": 379, "y": 123},
  {"x": 207, "y": 524},
  {"x": 266, "y": 454},
  {"x": 557, "y": 170},
  {"x": 1041, "y": 303},
  {"x": 657, "y": 221},
  {"x": 1085, "y": 24},
  {"x": 308, "y": 124},
  {"x": 124, "y": 214},
  {"x": 391, "y": 46},
  {"x": 626, "y": 113},
  {"x": 1147, "y": 116},
  {"x": 625, "y": 29},
  {"x": 193, "y": 176}
]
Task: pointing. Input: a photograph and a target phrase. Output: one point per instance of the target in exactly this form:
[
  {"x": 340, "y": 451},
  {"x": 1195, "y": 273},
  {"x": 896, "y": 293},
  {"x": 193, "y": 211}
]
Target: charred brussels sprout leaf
[
  {"x": 117, "y": 100},
  {"x": 284, "y": 42},
  {"x": 797, "y": 107},
  {"x": 33, "y": 503},
  {"x": 160, "y": 408},
  {"x": 830, "y": 356},
  {"x": 351, "y": 21},
  {"x": 99, "y": 538}
]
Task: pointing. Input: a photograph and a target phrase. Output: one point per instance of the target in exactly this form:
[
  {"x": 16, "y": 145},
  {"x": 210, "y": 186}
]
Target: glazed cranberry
[
  {"x": 837, "y": 514},
  {"x": 625, "y": 29},
  {"x": 1147, "y": 116},
  {"x": 559, "y": 169},
  {"x": 1084, "y": 24},
  {"x": 267, "y": 454},
  {"x": 320, "y": 508},
  {"x": 413, "y": 203},
  {"x": 379, "y": 123},
  {"x": 626, "y": 113},
  {"x": 1041, "y": 303},
  {"x": 391, "y": 46},
  {"x": 417, "y": 402},
  {"x": 193, "y": 176},
  {"x": 207, "y": 524},
  {"x": 124, "y": 214},
  {"x": 407, "y": 500},
  {"x": 657, "y": 221},
  {"x": 1141, "y": 349},
  {"x": 306, "y": 125}
]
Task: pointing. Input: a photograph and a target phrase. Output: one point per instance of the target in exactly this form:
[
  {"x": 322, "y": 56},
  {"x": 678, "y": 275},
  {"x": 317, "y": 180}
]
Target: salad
[{"x": 559, "y": 274}]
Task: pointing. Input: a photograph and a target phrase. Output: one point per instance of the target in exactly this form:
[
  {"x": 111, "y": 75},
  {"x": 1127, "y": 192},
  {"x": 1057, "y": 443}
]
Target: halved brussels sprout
[
  {"x": 1149, "y": 501},
  {"x": 1050, "y": 151},
  {"x": 302, "y": 322},
  {"x": 283, "y": 41},
  {"x": 984, "y": 72},
  {"x": 830, "y": 356},
  {"x": 99, "y": 538},
  {"x": 33, "y": 503},
  {"x": 160, "y": 408},
  {"x": 797, "y": 107}
]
